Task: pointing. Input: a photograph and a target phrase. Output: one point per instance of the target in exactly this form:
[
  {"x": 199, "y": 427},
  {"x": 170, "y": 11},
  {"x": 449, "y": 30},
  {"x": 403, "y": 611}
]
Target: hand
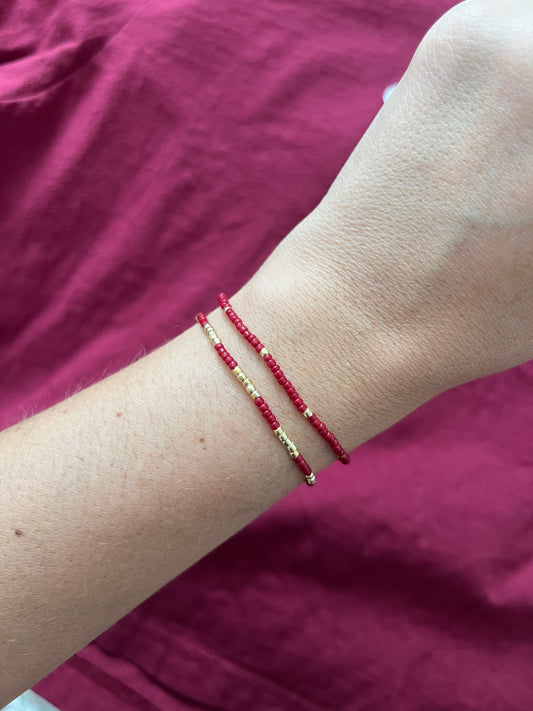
[{"x": 421, "y": 253}]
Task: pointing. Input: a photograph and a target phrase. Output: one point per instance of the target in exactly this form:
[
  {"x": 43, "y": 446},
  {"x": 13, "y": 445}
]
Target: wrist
[{"x": 357, "y": 375}]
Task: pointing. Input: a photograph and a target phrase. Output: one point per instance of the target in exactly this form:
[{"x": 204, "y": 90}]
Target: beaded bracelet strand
[
  {"x": 320, "y": 426},
  {"x": 259, "y": 401}
]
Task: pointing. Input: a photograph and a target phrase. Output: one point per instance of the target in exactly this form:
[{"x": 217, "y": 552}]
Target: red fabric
[{"x": 137, "y": 140}]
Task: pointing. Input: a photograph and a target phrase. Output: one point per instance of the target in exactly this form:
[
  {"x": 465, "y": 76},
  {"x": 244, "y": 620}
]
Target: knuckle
[{"x": 478, "y": 36}]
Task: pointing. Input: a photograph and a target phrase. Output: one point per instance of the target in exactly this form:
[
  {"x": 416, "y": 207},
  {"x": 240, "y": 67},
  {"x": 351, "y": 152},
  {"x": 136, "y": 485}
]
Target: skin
[{"x": 413, "y": 274}]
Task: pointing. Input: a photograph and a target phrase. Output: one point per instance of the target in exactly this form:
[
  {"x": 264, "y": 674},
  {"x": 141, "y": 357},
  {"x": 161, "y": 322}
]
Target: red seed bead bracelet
[
  {"x": 260, "y": 402},
  {"x": 320, "y": 427}
]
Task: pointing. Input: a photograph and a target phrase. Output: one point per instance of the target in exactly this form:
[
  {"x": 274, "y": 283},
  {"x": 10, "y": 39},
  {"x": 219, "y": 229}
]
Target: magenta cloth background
[{"x": 151, "y": 154}]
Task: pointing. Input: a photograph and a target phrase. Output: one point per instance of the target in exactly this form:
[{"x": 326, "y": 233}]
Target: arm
[
  {"x": 110, "y": 494},
  {"x": 411, "y": 276}
]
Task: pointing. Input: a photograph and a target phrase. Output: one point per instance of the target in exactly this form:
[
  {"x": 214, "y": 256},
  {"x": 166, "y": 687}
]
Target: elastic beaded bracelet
[
  {"x": 300, "y": 405},
  {"x": 259, "y": 401}
]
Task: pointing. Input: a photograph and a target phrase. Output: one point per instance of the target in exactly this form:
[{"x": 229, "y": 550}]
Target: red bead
[
  {"x": 302, "y": 407},
  {"x": 233, "y": 364},
  {"x": 316, "y": 423},
  {"x": 294, "y": 396},
  {"x": 291, "y": 390},
  {"x": 259, "y": 401},
  {"x": 268, "y": 358},
  {"x": 254, "y": 341},
  {"x": 242, "y": 327},
  {"x": 263, "y": 407},
  {"x": 222, "y": 298},
  {"x": 259, "y": 347},
  {"x": 288, "y": 385},
  {"x": 274, "y": 367},
  {"x": 305, "y": 467},
  {"x": 278, "y": 374},
  {"x": 219, "y": 346},
  {"x": 283, "y": 380},
  {"x": 302, "y": 464},
  {"x": 298, "y": 401},
  {"x": 274, "y": 425},
  {"x": 201, "y": 318},
  {"x": 313, "y": 418}
]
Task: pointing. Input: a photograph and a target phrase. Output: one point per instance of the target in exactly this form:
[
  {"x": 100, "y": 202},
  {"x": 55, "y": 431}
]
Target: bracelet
[
  {"x": 300, "y": 405},
  {"x": 259, "y": 401}
]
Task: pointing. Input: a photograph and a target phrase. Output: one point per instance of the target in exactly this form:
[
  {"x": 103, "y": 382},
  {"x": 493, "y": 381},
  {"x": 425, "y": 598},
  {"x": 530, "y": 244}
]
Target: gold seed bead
[
  {"x": 311, "y": 479},
  {"x": 255, "y": 394},
  {"x": 308, "y": 413},
  {"x": 216, "y": 341},
  {"x": 283, "y": 437},
  {"x": 242, "y": 376},
  {"x": 250, "y": 388},
  {"x": 263, "y": 352},
  {"x": 226, "y": 308},
  {"x": 292, "y": 447},
  {"x": 294, "y": 453},
  {"x": 278, "y": 431},
  {"x": 246, "y": 381},
  {"x": 237, "y": 370}
]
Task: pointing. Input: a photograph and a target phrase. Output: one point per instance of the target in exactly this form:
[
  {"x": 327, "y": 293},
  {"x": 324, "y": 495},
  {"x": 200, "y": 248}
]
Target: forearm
[{"x": 108, "y": 495}]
